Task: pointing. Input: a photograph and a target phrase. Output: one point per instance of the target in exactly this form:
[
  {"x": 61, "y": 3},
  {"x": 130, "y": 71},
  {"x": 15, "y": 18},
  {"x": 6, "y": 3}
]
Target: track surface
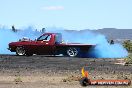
[
  {"x": 58, "y": 64},
  {"x": 55, "y": 69}
]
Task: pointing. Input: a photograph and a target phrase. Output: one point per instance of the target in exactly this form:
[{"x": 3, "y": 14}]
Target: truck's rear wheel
[
  {"x": 72, "y": 52},
  {"x": 20, "y": 51},
  {"x": 29, "y": 53}
]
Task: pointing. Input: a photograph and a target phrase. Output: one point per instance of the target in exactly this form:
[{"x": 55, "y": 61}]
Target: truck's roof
[{"x": 50, "y": 33}]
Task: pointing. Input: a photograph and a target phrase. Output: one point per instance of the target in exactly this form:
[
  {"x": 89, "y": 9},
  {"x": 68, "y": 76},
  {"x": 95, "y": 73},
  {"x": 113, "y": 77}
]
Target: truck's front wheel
[
  {"x": 20, "y": 51},
  {"x": 72, "y": 52}
]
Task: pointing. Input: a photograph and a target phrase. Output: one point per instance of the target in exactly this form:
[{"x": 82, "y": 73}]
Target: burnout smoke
[
  {"x": 102, "y": 50},
  {"x": 7, "y": 36}
]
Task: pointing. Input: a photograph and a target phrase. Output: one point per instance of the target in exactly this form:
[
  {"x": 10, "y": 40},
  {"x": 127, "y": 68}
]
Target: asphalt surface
[{"x": 47, "y": 64}]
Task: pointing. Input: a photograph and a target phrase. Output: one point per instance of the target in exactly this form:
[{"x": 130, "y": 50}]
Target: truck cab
[
  {"x": 50, "y": 38},
  {"x": 45, "y": 44}
]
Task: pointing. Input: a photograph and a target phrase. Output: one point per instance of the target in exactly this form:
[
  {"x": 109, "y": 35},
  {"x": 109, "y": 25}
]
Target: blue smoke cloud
[
  {"x": 7, "y": 36},
  {"x": 102, "y": 50}
]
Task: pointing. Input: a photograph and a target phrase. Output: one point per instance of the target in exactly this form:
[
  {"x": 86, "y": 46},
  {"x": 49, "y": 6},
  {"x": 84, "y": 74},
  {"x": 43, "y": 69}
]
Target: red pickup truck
[{"x": 48, "y": 44}]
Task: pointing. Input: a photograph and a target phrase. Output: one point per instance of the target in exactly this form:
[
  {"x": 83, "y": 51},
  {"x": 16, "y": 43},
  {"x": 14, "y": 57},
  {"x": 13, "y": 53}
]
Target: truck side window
[
  {"x": 48, "y": 37},
  {"x": 44, "y": 37},
  {"x": 58, "y": 38}
]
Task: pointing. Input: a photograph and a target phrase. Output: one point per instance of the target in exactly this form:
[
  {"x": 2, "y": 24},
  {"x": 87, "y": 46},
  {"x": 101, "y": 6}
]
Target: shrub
[
  {"x": 128, "y": 45},
  {"x": 129, "y": 59}
]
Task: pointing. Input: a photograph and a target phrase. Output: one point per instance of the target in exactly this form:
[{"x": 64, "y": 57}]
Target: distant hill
[
  {"x": 118, "y": 35},
  {"x": 113, "y": 33}
]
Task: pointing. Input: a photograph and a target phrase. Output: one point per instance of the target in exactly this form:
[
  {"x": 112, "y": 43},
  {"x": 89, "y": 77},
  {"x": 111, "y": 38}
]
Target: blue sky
[{"x": 69, "y": 14}]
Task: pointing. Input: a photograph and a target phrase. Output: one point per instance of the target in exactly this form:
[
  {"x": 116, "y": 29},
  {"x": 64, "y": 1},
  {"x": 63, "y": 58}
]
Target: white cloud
[{"x": 53, "y": 8}]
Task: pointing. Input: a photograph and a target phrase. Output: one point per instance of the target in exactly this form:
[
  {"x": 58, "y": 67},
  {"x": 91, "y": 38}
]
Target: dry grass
[
  {"x": 129, "y": 59},
  {"x": 18, "y": 79},
  {"x": 72, "y": 78}
]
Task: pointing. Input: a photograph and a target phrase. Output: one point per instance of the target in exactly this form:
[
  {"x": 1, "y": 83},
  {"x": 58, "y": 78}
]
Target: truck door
[{"x": 43, "y": 44}]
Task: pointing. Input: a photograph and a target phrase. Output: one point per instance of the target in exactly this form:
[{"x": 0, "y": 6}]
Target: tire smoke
[{"x": 102, "y": 50}]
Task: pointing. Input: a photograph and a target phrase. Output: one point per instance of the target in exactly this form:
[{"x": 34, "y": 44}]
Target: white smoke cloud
[{"x": 52, "y": 8}]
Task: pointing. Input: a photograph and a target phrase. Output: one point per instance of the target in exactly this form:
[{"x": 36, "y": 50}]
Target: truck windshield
[{"x": 44, "y": 37}]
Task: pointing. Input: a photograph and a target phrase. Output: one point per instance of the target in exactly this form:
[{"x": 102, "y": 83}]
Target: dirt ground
[{"x": 57, "y": 72}]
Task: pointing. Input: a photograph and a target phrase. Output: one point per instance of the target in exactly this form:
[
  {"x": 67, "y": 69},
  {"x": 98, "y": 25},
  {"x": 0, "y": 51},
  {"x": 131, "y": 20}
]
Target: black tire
[
  {"x": 72, "y": 52},
  {"x": 29, "y": 54},
  {"x": 20, "y": 51}
]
